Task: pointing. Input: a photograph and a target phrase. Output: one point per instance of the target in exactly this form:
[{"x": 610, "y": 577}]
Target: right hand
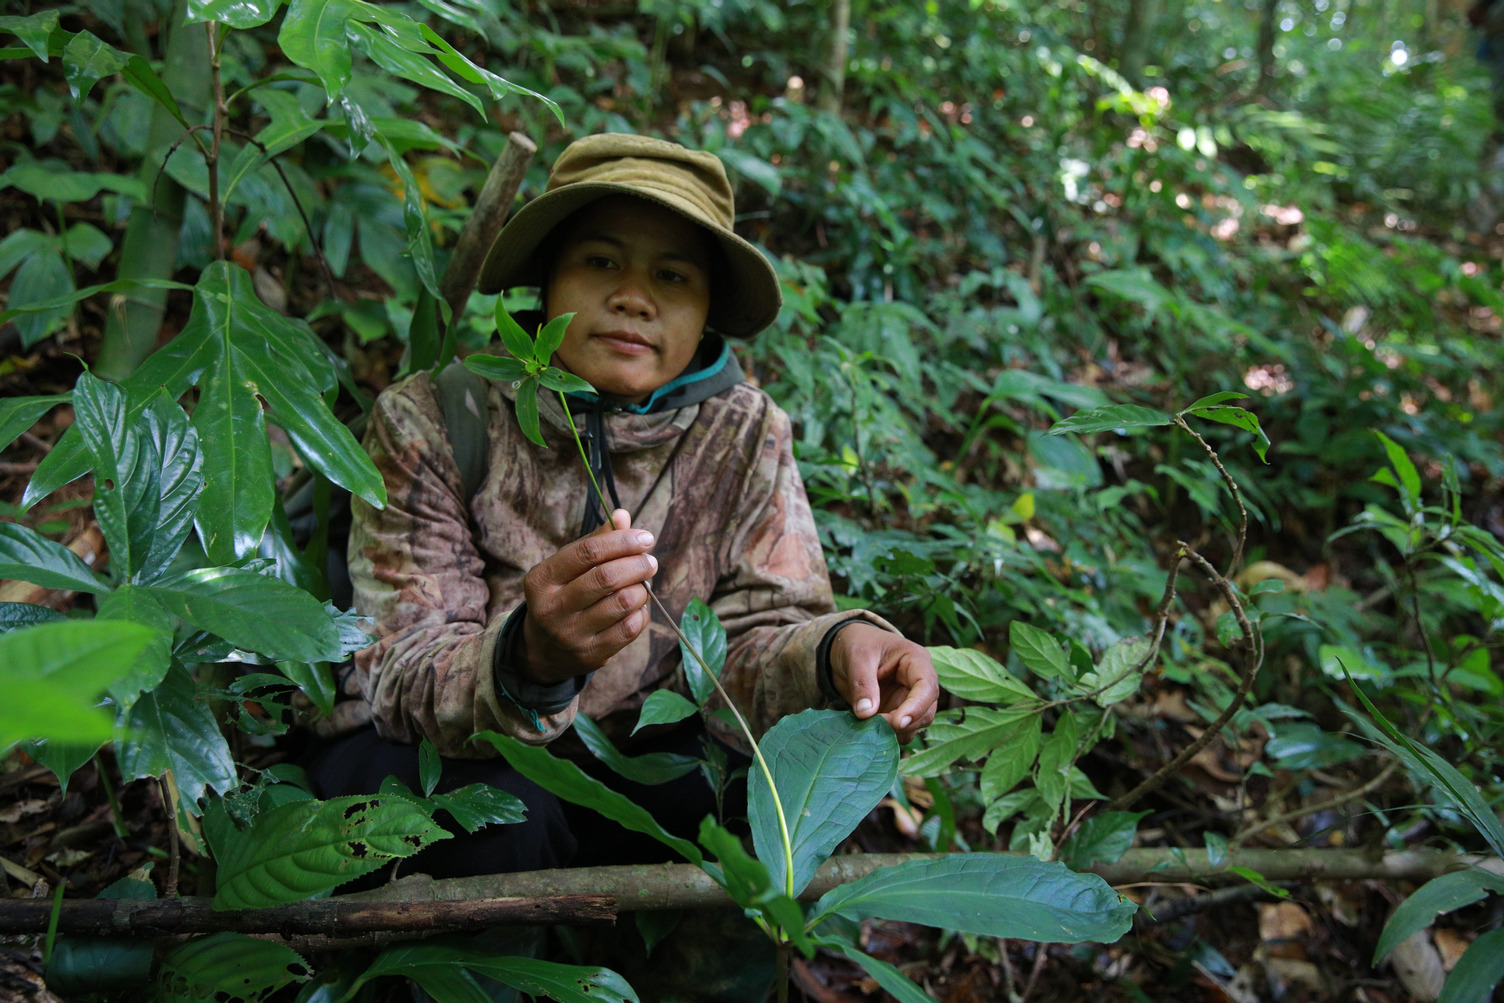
[{"x": 586, "y": 602}]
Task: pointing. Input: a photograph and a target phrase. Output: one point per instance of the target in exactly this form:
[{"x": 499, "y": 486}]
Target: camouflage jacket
[{"x": 713, "y": 479}]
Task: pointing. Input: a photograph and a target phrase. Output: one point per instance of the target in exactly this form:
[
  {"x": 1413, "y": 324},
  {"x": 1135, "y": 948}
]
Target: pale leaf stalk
[{"x": 783, "y": 825}]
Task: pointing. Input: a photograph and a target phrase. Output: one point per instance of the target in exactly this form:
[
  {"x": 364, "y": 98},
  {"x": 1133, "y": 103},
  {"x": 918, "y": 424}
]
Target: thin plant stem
[
  {"x": 783, "y": 825},
  {"x": 109, "y": 792},
  {"x": 175, "y": 854},
  {"x": 216, "y": 211}
]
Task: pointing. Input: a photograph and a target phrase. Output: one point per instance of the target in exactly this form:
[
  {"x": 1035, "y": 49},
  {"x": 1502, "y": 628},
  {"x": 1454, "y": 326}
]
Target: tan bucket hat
[{"x": 692, "y": 183}]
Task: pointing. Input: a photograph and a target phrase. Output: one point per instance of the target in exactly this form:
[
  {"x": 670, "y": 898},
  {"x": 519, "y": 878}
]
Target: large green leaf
[
  {"x": 1477, "y": 972},
  {"x": 1105, "y": 419},
  {"x": 403, "y": 62},
  {"x": 972, "y": 675},
  {"x": 663, "y": 707},
  {"x": 55, "y": 674},
  {"x": 650, "y": 769},
  {"x": 313, "y": 36},
  {"x": 228, "y": 965},
  {"x": 988, "y": 894},
  {"x": 235, "y": 13},
  {"x": 85, "y": 59},
  {"x": 129, "y": 604},
  {"x": 252, "y": 612},
  {"x": 1120, "y": 671},
  {"x": 965, "y": 734},
  {"x": 306, "y": 847},
  {"x": 179, "y": 480},
  {"x": 33, "y": 30},
  {"x": 568, "y": 781},
  {"x": 565, "y": 983},
  {"x": 1011, "y": 760},
  {"x": 29, "y": 556},
  {"x": 17, "y": 414},
  {"x": 475, "y": 806},
  {"x": 830, "y": 770},
  {"x": 703, "y": 629},
  {"x": 1439, "y": 895},
  {"x": 173, "y": 728},
  {"x": 142, "y": 77}
]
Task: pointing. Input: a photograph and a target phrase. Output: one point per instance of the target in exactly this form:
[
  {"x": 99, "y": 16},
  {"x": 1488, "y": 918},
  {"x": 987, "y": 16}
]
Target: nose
[{"x": 631, "y": 297}]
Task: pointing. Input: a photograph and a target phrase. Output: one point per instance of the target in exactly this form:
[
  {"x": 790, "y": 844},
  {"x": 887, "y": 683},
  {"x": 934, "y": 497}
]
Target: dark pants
[{"x": 555, "y": 833}]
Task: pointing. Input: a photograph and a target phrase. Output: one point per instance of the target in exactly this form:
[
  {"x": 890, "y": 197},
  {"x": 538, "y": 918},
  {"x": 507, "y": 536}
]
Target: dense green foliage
[{"x": 994, "y": 231}]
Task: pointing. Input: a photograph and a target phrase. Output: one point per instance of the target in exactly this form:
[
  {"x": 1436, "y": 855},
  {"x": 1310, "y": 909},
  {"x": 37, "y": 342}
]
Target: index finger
[
  {"x": 917, "y": 710},
  {"x": 577, "y": 558}
]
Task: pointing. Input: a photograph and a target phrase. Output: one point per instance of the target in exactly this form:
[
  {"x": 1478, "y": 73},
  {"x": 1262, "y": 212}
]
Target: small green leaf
[
  {"x": 1439, "y": 895},
  {"x": 550, "y": 337},
  {"x": 142, "y": 77},
  {"x": 85, "y": 59},
  {"x": 33, "y": 30},
  {"x": 663, "y": 707},
  {"x": 1213, "y": 401},
  {"x": 650, "y": 769},
  {"x": 429, "y": 767},
  {"x": 526, "y": 405},
  {"x": 1240, "y": 418},
  {"x": 17, "y": 414},
  {"x": 15, "y": 615},
  {"x": 1103, "y": 838},
  {"x": 1477, "y": 972},
  {"x": 427, "y": 962},
  {"x": 228, "y": 965},
  {"x": 396, "y": 59},
  {"x": 1121, "y": 671},
  {"x": 235, "y": 13},
  {"x": 513, "y": 337},
  {"x": 28, "y": 556},
  {"x": 568, "y": 781},
  {"x": 477, "y": 805},
  {"x": 1115, "y": 416},
  {"x": 990, "y": 895},
  {"x": 1040, "y": 651},
  {"x": 1409, "y": 477},
  {"x": 747, "y": 881},
  {"x": 41, "y": 278},
  {"x": 63, "y": 758},
  {"x": 703, "y": 629},
  {"x": 966, "y": 734},
  {"x": 972, "y": 675},
  {"x": 895, "y": 982},
  {"x": 313, "y": 36},
  {"x": 829, "y": 770},
  {"x": 562, "y": 382},
  {"x": 1011, "y": 759},
  {"x": 1255, "y": 878},
  {"x": 503, "y": 370}
]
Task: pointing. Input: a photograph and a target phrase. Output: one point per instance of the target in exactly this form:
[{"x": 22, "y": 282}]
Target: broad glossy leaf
[
  {"x": 703, "y": 629},
  {"x": 142, "y": 77},
  {"x": 462, "y": 67},
  {"x": 41, "y": 278},
  {"x": 253, "y": 612},
  {"x": 568, "y": 781},
  {"x": 747, "y": 881},
  {"x": 663, "y": 707},
  {"x": 178, "y": 480},
  {"x": 17, "y": 414},
  {"x": 1103, "y": 838},
  {"x": 228, "y": 965},
  {"x": 513, "y": 338},
  {"x": 1240, "y": 418},
  {"x": 235, "y": 13},
  {"x": 492, "y": 367},
  {"x": 966, "y": 734},
  {"x": 130, "y": 605},
  {"x": 28, "y": 556},
  {"x": 85, "y": 59},
  {"x": 315, "y": 679},
  {"x": 419, "y": 231},
  {"x": 14, "y": 615},
  {"x": 55, "y": 674},
  {"x": 830, "y": 770},
  {"x": 1041, "y": 651},
  {"x": 126, "y": 493},
  {"x": 239, "y": 484},
  {"x": 1301, "y": 745},
  {"x": 650, "y": 769},
  {"x": 173, "y": 728},
  {"x": 1439, "y": 895},
  {"x": 306, "y": 847},
  {"x": 1114, "y": 416},
  {"x": 991, "y": 895},
  {"x": 33, "y": 30},
  {"x": 546, "y": 979},
  {"x": 477, "y": 805},
  {"x": 409, "y": 65},
  {"x": 972, "y": 675},
  {"x": 313, "y": 36},
  {"x": 1477, "y": 972},
  {"x": 1010, "y": 760},
  {"x": 63, "y": 758}
]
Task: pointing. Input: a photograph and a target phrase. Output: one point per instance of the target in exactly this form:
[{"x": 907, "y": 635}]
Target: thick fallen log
[{"x": 419, "y": 904}]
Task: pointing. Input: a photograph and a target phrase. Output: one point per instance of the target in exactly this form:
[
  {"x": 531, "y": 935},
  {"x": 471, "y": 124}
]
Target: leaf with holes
[{"x": 228, "y": 965}]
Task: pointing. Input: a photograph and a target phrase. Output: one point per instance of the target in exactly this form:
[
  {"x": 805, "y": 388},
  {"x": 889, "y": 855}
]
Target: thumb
[{"x": 620, "y": 519}]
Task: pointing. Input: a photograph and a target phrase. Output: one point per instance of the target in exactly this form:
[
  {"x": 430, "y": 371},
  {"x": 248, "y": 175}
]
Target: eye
[
  {"x": 669, "y": 275},
  {"x": 599, "y": 261}
]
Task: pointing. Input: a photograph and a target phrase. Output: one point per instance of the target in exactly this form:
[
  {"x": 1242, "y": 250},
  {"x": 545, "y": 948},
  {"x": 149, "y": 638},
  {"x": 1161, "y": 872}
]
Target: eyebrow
[{"x": 602, "y": 237}]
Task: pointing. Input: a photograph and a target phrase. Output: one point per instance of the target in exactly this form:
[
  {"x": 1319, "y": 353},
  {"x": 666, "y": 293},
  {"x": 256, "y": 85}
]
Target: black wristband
[
  {"x": 528, "y": 695},
  {"x": 822, "y": 663}
]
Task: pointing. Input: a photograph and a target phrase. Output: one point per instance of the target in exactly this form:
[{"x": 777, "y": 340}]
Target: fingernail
[
  {"x": 653, "y": 561},
  {"x": 863, "y": 706},
  {"x": 903, "y": 722},
  {"x": 644, "y": 538}
]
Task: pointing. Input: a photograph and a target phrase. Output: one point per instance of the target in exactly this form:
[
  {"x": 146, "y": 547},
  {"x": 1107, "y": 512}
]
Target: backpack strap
[{"x": 462, "y": 397}]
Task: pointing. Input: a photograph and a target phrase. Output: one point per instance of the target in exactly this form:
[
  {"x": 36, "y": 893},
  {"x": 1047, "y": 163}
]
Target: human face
[{"x": 636, "y": 276}]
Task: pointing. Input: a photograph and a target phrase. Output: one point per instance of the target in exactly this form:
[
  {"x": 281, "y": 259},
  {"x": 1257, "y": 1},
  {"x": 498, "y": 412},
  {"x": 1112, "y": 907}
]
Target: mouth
[{"x": 626, "y": 341}]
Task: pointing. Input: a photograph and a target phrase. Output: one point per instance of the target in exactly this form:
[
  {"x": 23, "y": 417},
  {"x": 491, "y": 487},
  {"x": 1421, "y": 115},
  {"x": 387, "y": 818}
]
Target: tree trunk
[
  {"x": 1267, "y": 14},
  {"x": 833, "y": 68},
  {"x": 1138, "y": 30}
]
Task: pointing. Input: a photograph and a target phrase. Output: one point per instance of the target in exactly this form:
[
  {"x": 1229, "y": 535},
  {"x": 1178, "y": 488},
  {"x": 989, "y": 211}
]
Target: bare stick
[
  {"x": 1237, "y": 496},
  {"x": 1334, "y": 802},
  {"x": 313, "y": 241},
  {"x": 491, "y": 210},
  {"x": 1250, "y": 648}
]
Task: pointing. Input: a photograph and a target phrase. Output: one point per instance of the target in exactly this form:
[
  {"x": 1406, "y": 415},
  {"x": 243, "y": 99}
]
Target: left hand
[{"x": 880, "y": 672}]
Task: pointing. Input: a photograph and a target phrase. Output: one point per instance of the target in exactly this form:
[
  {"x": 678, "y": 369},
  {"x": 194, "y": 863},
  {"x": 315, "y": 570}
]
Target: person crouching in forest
[{"x": 514, "y": 608}]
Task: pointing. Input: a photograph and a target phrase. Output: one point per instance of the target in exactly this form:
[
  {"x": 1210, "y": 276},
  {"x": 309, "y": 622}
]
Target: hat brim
[{"x": 749, "y": 303}]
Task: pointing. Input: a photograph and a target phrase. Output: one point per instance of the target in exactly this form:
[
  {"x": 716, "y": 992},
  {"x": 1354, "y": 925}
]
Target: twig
[
  {"x": 211, "y": 159},
  {"x": 174, "y": 843},
  {"x": 1251, "y": 649},
  {"x": 313, "y": 241},
  {"x": 1237, "y": 496},
  {"x": 1357, "y": 792},
  {"x": 157, "y": 178},
  {"x": 1169, "y": 912}
]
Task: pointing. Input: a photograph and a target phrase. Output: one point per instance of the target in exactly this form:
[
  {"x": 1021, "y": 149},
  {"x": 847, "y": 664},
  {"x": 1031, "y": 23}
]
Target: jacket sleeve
[
  {"x": 775, "y": 599},
  {"x": 418, "y": 574}
]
